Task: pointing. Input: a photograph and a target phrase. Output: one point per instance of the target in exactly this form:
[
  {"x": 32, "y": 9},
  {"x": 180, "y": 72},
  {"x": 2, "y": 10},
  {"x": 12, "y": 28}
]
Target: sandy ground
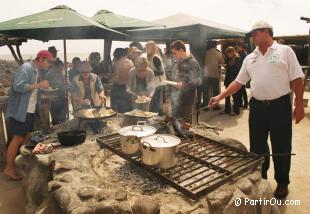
[
  {"x": 12, "y": 199},
  {"x": 11, "y": 196}
]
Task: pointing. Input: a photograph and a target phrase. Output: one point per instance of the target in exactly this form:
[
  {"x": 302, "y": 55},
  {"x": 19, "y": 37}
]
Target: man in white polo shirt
[{"x": 274, "y": 71}]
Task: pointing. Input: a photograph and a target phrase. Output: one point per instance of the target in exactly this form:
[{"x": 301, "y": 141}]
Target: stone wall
[{"x": 87, "y": 179}]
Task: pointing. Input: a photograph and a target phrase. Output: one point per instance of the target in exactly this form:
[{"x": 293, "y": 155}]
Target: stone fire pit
[{"x": 87, "y": 179}]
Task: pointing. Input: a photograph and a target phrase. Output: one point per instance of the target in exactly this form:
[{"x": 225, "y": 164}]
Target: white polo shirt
[
  {"x": 33, "y": 98},
  {"x": 271, "y": 73}
]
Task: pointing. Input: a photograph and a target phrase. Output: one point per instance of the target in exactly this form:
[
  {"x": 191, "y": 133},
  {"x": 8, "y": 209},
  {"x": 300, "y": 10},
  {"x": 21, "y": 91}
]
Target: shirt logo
[
  {"x": 274, "y": 58},
  {"x": 253, "y": 60}
]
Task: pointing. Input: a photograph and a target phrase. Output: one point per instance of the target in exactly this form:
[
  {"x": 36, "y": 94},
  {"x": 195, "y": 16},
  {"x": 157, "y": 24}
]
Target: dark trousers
[
  {"x": 199, "y": 95},
  {"x": 237, "y": 100},
  {"x": 244, "y": 97},
  {"x": 58, "y": 110},
  {"x": 274, "y": 118},
  {"x": 120, "y": 99},
  {"x": 156, "y": 101},
  {"x": 211, "y": 87}
]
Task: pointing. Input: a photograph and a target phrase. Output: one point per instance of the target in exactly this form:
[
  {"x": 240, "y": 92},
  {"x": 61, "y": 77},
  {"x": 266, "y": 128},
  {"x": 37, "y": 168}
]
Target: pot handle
[
  {"x": 137, "y": 128},
  {"x": 144, "y": 146},
  {"x": 161, "y": 138},
  {"x": 141, "y": 123}
]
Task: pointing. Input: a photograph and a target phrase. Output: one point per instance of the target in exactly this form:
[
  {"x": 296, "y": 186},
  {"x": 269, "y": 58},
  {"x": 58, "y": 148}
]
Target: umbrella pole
[{"x": 66, "y": 76}]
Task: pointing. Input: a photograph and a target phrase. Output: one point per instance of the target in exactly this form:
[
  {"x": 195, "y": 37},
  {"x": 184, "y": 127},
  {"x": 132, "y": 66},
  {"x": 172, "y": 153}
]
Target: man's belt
[{"x": 268, "y": 102}]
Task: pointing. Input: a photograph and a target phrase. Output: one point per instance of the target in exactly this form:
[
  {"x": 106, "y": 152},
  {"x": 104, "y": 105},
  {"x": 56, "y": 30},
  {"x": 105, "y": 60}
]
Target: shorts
[{"x": 22, "y": 128}]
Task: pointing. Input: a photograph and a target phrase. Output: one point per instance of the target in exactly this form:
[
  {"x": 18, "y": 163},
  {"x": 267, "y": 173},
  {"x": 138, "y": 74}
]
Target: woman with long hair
[{"x": 233, "y": 65}]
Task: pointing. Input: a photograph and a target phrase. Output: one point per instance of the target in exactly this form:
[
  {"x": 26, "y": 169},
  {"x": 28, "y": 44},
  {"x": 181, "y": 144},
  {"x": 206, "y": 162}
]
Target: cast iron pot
[
  {"x": 130, "y": 137},
  {"x": 70, "y": 138},
  {"x": 160, "y": 150}
]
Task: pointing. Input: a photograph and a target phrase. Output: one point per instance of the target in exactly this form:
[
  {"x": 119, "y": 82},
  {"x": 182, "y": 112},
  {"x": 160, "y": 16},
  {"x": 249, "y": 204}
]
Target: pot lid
[
  {"x": 161, "y": 140},
  {"x": 137, "y": 130}
]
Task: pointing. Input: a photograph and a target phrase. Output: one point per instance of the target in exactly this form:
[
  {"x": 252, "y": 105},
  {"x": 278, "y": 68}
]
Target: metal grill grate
[{"x": 203, "y": 165}]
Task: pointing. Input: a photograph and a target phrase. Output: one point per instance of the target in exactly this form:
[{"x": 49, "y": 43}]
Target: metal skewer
[
  {"x": 133, "y": 93},
  {"x": 250, "y": 156},
  {"x": 208, "y": 106}
]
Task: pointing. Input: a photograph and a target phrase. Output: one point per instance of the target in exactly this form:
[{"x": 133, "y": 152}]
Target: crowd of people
[{"x": 142, "y": 71}]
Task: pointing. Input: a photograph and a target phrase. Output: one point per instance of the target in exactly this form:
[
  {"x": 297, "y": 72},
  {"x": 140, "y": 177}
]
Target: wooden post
[
  {"x": 66, "y": 77},
  {"x": 2, "y": 132}
]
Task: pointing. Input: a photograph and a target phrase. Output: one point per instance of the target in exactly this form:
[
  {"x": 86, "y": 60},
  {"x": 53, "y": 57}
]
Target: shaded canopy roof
[
  {"x": 60, "y": 22},
  {"x": 8, "y": 40},
  {"x": 187, "y": 27},
  {"x": 120, "y": 22}
]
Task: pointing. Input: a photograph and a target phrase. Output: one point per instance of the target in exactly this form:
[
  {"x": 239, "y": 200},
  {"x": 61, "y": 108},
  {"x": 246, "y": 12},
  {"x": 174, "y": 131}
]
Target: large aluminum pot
[
  {"x": 130, "y": 137},
  {"x": 160, "y": 150},
  {"x": 142, "y": 103}
]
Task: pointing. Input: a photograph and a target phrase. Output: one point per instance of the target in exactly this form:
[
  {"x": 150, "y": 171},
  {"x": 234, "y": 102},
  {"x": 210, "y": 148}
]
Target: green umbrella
[
  {"x": 60, "y": 22},
  {"x": 119, "y": 22}
]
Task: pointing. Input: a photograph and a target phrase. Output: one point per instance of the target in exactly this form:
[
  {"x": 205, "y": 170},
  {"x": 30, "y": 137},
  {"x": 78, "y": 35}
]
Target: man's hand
[
  {"x": 85, "y": 102},
  {"x": 43, "y": 84},
  {"x": 179, "y": 85},
  {"x": 299, "y": 112},
  {"x": 214, "y": 101},
  {"x": 102, "y": 98}
]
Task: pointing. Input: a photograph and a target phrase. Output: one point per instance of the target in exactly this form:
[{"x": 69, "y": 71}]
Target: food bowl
[{"x": 72, "y": 137}]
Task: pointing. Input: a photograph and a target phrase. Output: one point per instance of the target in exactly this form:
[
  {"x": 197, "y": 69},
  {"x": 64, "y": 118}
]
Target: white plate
[
  {"x": 170, "y": 82},
  {"x": 49, "y": 89}
]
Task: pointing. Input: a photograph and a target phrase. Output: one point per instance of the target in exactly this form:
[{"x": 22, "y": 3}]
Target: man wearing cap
[
  {"x": 274, "y": 70},
  {"x": 87, "y": 88},
  {"x": 53, "y": 51},
  {"x": 23, "y": 104}
]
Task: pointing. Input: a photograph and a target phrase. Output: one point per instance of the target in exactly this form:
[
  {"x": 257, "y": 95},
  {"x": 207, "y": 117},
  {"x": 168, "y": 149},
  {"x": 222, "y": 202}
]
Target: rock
[
  {"x": 35, "y": 179},
  {"x": 104, "y": 208},
  {"x": 122, "y": 207},
  {"x": 275, "y": 210},
  {"x": 146, "y": 205},
  {"x": 89, "y": 180},
  {"x": 86, "y": 192},
  {"x": 232, "y": 208},
  {"x": 83, "y": 210},
  {"x": 121, "y": 195},
  {"x": 234, "y": 143},
  {"x": 245, "y": 185},
  {"x": 220, "y": 197},
  {"x": 62, "y": 197},
  {"x": 53, "y": 185},
  {"x": 66, "y": 178},
  {"x": 264, "y": 191},
  {"x": 255, "y": 176},
  {"x": 63, "y": 166},
  {"x": 104, "y": 194}
]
